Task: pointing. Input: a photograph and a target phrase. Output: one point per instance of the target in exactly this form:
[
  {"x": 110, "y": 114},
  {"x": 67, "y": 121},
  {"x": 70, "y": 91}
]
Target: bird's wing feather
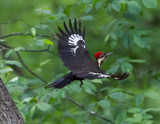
[{"x": 74, "y": 54}]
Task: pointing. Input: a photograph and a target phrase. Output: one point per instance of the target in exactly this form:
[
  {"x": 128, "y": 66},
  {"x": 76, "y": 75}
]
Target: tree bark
[{"x": 9, "y": 113}]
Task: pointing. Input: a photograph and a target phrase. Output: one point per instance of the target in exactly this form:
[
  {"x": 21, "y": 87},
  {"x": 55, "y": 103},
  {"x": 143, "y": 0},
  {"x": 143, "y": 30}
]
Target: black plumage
[{"x": 74, "y": 54}]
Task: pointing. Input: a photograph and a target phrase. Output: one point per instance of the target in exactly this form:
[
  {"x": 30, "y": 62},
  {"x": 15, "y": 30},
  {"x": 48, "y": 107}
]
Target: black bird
[{"x": 74, "y": 54}]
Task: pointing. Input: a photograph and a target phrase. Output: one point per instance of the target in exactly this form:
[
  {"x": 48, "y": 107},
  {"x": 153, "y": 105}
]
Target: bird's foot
[{"x": 81, "y": 83}]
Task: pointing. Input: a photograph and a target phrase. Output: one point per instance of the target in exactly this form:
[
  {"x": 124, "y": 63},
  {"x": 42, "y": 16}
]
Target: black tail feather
[
  {"x": 120, "y": 76},
  {"x": 61, "y": 82}
]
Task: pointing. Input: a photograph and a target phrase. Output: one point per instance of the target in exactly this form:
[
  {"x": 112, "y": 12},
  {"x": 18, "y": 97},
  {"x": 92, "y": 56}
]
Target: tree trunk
[{"x": 9, "y": 113}]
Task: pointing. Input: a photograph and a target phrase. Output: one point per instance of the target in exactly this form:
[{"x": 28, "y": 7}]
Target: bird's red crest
[{"x": 97, "y": 55}]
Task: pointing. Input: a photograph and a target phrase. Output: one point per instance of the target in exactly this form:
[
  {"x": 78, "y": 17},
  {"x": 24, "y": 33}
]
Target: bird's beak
[{"x": 108, "y": 54}]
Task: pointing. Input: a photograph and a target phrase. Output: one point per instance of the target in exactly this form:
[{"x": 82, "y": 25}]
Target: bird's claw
[{"x": 81, "y": 83}]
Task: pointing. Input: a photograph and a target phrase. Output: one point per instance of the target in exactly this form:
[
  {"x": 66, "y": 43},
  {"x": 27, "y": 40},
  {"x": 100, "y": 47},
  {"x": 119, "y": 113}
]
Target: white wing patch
[
  {"x": 73, "y": 40},
  {"x": 99, "y": 74}
]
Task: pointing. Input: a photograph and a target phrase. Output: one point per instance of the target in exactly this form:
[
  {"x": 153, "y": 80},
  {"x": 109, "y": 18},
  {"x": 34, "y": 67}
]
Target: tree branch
[
  {"x": 5, "y": 46},
  {"x": 90, "y": 112},
  {"x": 26, "y": 67},
  {"x": 128, "y": 93},
  {"x": 10, "y": 21},
  {"x": 21, "y": 33},
  {"x": 25, "y": 50}
]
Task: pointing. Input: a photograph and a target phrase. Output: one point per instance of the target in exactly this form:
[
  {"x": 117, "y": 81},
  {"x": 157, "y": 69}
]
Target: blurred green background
[{"x": 129, "y": 28}]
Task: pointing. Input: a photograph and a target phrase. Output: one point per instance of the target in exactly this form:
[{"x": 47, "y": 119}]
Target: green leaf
[
  {"x": 122, "y": 60},
  {"x": 6, "y": 70},
  {"x": 139, "y": 99},
  {"x": 42, "y": 26},
  {"x": 137, "y": 118},
  {"x": 14, "y": 79},
  {"x": 75, "y": 87},
  {"x": 27, "y": 99},
  {"x": 33, "y": 31},
  {"x": 134, "y": 7},
  {"x": 113, "y": 36},
  {"x": 150, "y": 3},
  {"x": 89, "y": 87},
  {"x": 119, "y": 96},
  {"x": 59, "y": 94},
  {"x": 97, "y": 81},
  {"x": 88, "y": 9},
  {"x": 125, "y": 40},
  {"x": 43, "y": 106},
  {"x": 137, "y": 60},
  {"x": 13, "y": 62},
  {"x": 113, "y": 44},
  {"x": 138, "y": 41},
  {"x": 116, "y": 6},
  {"x": 123, "y": 7},
  {"x": 46, "y": 11},
  {"x": 113, "y": 69},
  {"x": 134, "y": 10},
  {"x": 126, "y": 67},
  {"x": 153, "y": 95},
  {"x": 8, "y": 53},
  {"x": 149, "y": 121},
  {"x": 104, "y": 104},
  {"x": 106, "y": 38},
  {"x": 98, "y": 4},
  {"x": 52, "y": 18},
  {"x": 20, "y": 104},
  {"x": 48, "y": 42},
  {"x": 90, "y": 106},
  {"x": 19, "y": 49},
  {"x": 40, "y": 43},
  {"x": 45, "y": 62},
  {"x": 151, "y": 109},
  {"x": 133, "y": 110},
  {"x": 132, "y": 3},
  {"x": 120, "y": 117},
  {"x": 32, "y": 110},
  {"x": 2, "y": 40},
  {"x": 108, "y": 8},
  {"x": 88, "y": 17}
]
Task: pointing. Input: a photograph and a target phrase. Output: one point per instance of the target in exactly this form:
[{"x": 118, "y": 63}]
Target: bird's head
[{"x": 101, "y": 56}]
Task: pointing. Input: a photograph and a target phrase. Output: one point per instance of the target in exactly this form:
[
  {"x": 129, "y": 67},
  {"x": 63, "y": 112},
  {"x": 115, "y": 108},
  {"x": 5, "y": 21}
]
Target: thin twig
[
  {"x": 6, "y": 46},
  {"x": 90, "y": 112},
  {"x": 52, "y": 53},
  {"x": 22, "y": 33},
  {"x": 25, "y": 50},
  {"x": 75, "y": 102},
  {"x": 26, "y": 67},
  {"x": 2, "y": 48},
  {"x": 128, "y": 93},
  {"x": 10, "y": 21}
]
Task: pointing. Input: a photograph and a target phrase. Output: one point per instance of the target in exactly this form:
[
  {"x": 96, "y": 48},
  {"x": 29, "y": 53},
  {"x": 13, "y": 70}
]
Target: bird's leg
[{"x": 81, "y": 83}]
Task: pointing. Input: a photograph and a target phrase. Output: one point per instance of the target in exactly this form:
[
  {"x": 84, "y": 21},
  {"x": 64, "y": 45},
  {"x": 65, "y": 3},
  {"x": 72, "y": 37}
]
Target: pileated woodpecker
[{"x": 74, "y": 54}]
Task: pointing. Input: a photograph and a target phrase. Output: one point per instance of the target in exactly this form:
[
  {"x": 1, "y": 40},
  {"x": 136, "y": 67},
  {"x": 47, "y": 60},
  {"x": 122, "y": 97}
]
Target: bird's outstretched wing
[
  {"x": 74, "y": 54},
  {"x": 72, "y": 46}
]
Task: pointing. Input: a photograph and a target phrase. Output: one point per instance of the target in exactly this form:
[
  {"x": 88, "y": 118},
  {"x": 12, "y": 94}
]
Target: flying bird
[{"x": 74, "y": 54}]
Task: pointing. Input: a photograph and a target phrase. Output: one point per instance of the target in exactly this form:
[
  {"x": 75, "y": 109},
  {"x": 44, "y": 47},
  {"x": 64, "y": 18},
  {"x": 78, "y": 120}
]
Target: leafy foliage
[{"x": 129, "y": 28}]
